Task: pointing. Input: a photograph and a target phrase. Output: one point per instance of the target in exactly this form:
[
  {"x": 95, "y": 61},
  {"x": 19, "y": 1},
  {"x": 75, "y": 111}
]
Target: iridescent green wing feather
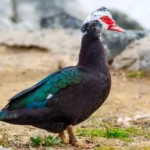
[{"x": 38, "y": 95}]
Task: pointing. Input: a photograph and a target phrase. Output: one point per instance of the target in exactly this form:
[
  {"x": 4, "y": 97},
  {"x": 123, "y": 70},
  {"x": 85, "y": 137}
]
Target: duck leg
[
  {"x": 63, "y": 137},
  {"x": 73, "y": 139}
]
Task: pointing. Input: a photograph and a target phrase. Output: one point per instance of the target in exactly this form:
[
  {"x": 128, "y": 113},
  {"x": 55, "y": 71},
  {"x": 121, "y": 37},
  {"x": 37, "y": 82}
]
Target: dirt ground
[{"x": 129, "y": 98}]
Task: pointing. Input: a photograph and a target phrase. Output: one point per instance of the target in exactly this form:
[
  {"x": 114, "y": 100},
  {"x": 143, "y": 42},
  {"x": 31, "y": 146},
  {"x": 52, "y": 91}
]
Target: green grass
[
  {"x": 44, "y": 141},
  {"x": 117, "y": 133},
  {"x": 114, "y": 133},
  {"x": 125, "y": 134},
  {"x": 136, "y": 74}
]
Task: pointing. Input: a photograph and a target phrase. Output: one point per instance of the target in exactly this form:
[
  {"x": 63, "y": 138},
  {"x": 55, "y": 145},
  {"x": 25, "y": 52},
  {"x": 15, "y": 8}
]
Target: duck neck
[{"x": 92, "y": 53}]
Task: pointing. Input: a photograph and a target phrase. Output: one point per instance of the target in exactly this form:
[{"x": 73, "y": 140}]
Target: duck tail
[
  {"x": 3, "y": 115},
  {"x": 7, "y": 115}
]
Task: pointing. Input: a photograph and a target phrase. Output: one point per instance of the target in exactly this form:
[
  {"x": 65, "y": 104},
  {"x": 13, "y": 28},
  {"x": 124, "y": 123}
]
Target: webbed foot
[{"x": 77, "y": 143}]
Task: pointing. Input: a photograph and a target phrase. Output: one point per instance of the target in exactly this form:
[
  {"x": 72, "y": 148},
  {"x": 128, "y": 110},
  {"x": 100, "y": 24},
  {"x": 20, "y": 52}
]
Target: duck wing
[{"x": 37, "y": 96}]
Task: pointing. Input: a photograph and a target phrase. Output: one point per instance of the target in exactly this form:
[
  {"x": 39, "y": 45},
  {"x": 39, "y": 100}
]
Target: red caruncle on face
[
  {"x": 111, "y": 24},
  {"x": 107, "y": 20}
]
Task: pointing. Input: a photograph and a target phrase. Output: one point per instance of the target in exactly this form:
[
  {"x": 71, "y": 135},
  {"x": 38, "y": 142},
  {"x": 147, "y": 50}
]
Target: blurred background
[
  {"x": 38, "y": 37},
  {"x": 31, "y": 13}
]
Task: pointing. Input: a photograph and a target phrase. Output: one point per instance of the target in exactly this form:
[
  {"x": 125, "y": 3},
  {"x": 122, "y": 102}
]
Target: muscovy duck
[{"x": 69, "y": 96}]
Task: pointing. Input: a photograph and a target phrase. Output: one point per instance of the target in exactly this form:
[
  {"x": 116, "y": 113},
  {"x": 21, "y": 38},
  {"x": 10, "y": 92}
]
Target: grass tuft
[
  {"x": 117, "y": 133},
  {"x": 125, "y": 134},
  {"x": 90, "y": 132},
  {"x": 136, "y": 74},
  {"x": 108, "y": 133},
  {"x": 36, "y": 141},
  {"x": 44, "y": 141}
]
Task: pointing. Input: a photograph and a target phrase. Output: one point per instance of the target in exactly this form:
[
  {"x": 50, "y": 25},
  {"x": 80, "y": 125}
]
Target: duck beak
[{"x": 114, "y": 27}]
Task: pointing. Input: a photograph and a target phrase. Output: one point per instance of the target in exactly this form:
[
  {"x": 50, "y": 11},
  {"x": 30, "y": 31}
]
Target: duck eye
[{"x": 104, "y": 18}]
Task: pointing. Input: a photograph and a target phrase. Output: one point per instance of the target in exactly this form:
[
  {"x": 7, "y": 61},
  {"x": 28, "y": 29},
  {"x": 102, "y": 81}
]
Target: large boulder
[
  {"x": 135, "y": 57},
  {"x": 62, "y": 13},
  {"x": 115, "y": 43},
  {"x": 6, "y": 14},
  {"x": 60, "y": 20},
  {"x": 51, "y": 13},
  {"x": 35, "y": 14},
  {"x": 6, "y": 9}
]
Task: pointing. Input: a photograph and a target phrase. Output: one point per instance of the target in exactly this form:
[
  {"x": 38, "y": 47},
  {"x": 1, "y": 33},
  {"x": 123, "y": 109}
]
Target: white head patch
[{"x": 95, "y": 15}]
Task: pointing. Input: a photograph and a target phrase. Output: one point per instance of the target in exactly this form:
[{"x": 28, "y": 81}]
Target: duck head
[{"x": 99, "y": 21}]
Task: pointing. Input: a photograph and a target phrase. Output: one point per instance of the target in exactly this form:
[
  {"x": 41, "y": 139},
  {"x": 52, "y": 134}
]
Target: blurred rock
[
  {"x": 60, "y": 20},
  {"x": 5, "y": 23},
  {"x": 6, "y": 10},
  {"x": 19, "y": 48},
  {"x": 115, "y": 43},
  {"x": 11, "y": 19},
  {"x": 65, "y": 51},
  {"x": 6, "y": 13},
  {"x": 59, "y": 43},
  {"x": 135, "y": 57},
  {"x": 50, "y": 14},
  {"x": 35, "y": 14},
  {"x": 125, "y": 21},
  {"x": 62, "y": 13}
]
